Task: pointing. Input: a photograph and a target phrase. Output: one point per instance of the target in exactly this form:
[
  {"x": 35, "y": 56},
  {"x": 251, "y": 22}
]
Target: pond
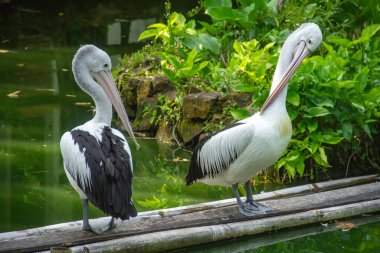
[{"x": 40, "y": 101}]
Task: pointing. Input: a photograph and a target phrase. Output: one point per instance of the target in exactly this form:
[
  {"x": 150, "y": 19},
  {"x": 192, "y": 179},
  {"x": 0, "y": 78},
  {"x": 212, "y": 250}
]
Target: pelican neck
[{"x": 103, "y": 105}]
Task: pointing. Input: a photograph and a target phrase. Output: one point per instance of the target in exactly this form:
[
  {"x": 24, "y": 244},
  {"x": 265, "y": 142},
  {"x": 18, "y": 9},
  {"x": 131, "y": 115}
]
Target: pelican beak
[
  {"x": 301, "y": 53},
  {"x": 105, "y": 79}
]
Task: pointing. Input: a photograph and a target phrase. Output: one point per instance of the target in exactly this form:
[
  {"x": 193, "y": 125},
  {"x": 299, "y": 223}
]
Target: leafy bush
[{"x": 333, "y": 99}]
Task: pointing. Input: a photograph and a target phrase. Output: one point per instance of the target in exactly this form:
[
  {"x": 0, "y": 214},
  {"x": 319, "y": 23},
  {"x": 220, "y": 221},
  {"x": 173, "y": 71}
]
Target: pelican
[
  {"x": 97, "y": 159},
  {"x": 239, "y": 151}
]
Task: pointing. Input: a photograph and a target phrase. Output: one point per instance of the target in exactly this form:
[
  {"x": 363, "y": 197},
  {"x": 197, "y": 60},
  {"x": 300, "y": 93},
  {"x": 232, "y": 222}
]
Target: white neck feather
[
  {"x": 279, "y": 104},
  {"x": 102, "y": 102}
]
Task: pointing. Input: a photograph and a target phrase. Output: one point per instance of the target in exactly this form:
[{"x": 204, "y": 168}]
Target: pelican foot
[
  {"x": 253, "y": 209},
  {"x": 101, "y": 229},
  {"x": 257, "y": 206}
]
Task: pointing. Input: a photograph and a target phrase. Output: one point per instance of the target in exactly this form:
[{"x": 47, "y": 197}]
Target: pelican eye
[
  {"x": 105, "y": 65},
  {"x": 309, "y": 42}
]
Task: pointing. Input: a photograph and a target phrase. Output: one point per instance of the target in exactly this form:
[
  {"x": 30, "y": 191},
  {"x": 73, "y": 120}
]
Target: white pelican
[
  {"x": 97, "y": 159},
  {"x": 237, "y": 152}
]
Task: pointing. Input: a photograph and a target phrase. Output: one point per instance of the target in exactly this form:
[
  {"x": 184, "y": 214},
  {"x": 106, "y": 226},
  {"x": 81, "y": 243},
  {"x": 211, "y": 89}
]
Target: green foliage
[
  {"x": 333, "y": 99},
  {"x": 340, "y": 97},
  {"x": 166, "y": 111}
]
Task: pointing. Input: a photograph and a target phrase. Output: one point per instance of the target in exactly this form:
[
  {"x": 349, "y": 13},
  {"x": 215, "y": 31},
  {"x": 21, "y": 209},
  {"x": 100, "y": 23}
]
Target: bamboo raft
[{"x": 176, "y": 228}]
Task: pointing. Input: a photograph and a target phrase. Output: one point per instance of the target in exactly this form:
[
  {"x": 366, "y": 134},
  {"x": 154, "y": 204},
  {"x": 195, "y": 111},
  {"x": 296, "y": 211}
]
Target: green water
[
  {"x": 365, "y": 238},
  {"x": 33, "y": 186}
]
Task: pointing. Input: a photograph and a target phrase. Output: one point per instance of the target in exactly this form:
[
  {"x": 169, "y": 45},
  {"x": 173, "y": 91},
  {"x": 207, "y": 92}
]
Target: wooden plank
[
  {"x": 292, "y": 191},
  {"x": 288, "y": 192},
  {"x": 44, "y": 238},
  {"x": 186, "y": 237},
  {"x": 249, "y": 243}
]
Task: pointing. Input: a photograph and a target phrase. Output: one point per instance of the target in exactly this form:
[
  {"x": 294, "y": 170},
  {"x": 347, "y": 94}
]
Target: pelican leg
[
  {"x": 86, "y": 224},
  {"x": 245, "y": 208},
  {"x": 254, "y": 204}
]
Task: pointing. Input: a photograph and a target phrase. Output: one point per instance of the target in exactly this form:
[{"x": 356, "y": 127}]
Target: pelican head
[
  {"x": 296, "y": 48},
  {"x": 91, "y": 63}
]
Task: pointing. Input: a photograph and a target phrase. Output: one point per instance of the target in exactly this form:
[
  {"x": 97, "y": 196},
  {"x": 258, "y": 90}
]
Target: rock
[
  {"x": 171, "y": 95},
  {"x": 200, "y": 105},
  {"x": 142, "y": 121},
  {"x": 162, "y": 84},
  {"x": 144, "y": 90},
  {"x": 165, "y": 132},
  {"x": 188, "y": 129},
  {"x": 129, "y": 93},
  {"x": 219, "y": 121},
  {"x": 240, "y": 99}
]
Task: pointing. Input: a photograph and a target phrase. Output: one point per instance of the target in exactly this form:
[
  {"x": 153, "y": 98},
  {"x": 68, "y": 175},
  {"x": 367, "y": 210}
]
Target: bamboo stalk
[
  {"x": 181, "y": 238},
  {"x": 292, "y": 191},
  {"x": 291, "y": 200}
]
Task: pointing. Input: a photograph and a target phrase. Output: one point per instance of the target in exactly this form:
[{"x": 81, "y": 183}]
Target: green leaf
[
  {"x": 361, "y": 78},
  {"x": 191, "y": 24},
  {"x": 158, "y": 25},
  {"x": 322, "y": 101},
  {"x": 209, "y": 42},
  {"x": 373, "y": 95},
  {"x": 169, "y": 74},
  {"x": 329, "y": 48},
  {"x": 292, "y": 155},
  {"x": 240, "y": 114},
  {"x": 300, "y": 165},
  {"x": 358, "y": 103},
  {"x": 339, "y": 41},
  {"x": 226, "y": 13},
  {"x": 347, "y": 130},
  {"x": 318, "y": 158},
  {"x": 312, "y": 125},
  {"x": 190, "y": 57},
  {"x": 149, "y": 33},
  {"x": 323, "y": 155},
  {"x": 217, "y": 3},
  {"x": 329, "y": 139},
  {"x": 367, "y": 130},
  {"x": 173, "y": 60},
  {"x": 238, "y": 47},
  {"x": 177, "y": 18},
  {"x": 314, "y": 147},
  {"x": 316, "y": 136},
  {"x": 371, "y": 30},
  {"x": 202, "y": 65},
  {"x": 246, "y": 88},
  {"x": 293, "y": 98},
  {"x": 301, "y": 126},
  {"x": 290, "y": 168},
  {"x": 367, "y": 33},
  {"x": 316, "y": 112},
  {"x": 202, "y": 41}
]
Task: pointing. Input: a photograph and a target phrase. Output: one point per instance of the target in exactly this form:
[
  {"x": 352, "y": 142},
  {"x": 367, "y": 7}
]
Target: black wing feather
[{"x": 110, "y": 186}]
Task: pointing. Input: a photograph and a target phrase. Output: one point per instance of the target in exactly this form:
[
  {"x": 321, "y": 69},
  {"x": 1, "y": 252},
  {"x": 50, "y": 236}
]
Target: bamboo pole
[
  {"x": 181, "y": 238},
  {"x": 291, "y": 200},
  {"x": 287, "y": 192}
]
